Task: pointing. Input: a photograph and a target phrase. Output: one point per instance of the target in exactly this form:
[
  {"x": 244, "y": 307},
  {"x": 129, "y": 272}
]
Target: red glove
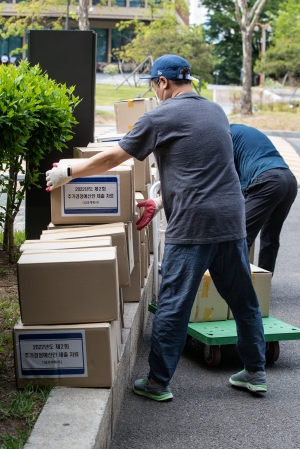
[{"x": 152, "y": 207}]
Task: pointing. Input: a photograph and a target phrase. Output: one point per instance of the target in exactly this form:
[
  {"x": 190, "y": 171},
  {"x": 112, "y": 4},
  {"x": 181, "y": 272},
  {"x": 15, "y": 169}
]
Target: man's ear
[{"x": 164, "y": 82}]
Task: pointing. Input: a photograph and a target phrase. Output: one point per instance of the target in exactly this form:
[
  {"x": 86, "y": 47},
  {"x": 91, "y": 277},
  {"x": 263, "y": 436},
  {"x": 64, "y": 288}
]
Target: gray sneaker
[
  {"x": 157, "y": 392},
  {"x": 256, "y": 382}
]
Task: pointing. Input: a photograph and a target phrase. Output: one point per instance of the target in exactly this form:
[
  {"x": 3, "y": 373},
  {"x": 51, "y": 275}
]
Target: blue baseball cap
[{"x": 169, "y": 66}]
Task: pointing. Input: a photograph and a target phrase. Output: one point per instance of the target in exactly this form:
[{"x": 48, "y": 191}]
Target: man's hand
[
  {"x": 152, "y": 207},
  {"x": 57, "y": 176}
]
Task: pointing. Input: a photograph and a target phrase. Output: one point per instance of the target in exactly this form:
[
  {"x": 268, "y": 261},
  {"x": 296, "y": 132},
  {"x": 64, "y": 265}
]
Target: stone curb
[
  {"x": 86, "y": 418},
  {"x": 285, "y": 134}
]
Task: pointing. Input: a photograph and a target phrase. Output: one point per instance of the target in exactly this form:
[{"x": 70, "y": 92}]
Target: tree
[
  {"x": 166, "y": 35},
  {"x": 247, "y": 19},
  {"x": 222, "y": 30},
  {"x": 83, "y": 15},
  {"x": 35, "y": 15},
  {"x": 283, "y": 56},
  {"x": 36, "y": 115},
  {"x": 31, "y": 15}
]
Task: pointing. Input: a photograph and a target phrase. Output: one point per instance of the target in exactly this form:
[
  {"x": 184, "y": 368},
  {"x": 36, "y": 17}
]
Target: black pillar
[{"x": 68, "y": 57}]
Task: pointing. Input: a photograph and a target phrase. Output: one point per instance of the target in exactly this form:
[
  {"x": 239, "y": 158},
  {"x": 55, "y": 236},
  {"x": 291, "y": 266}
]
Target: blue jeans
[{"x": 182, "y": 269}]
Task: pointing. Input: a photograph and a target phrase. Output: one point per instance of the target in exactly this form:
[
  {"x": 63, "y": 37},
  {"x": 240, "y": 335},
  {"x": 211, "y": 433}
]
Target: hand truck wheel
[
  {"x": 272, "y": 351},
  {"x": 212, "y": 355},
  {"x": 188, "y": 339}
]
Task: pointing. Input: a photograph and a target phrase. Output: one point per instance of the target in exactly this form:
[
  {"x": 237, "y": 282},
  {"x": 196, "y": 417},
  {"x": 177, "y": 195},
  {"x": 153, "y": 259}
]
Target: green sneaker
[
  {"x": 156, "y": 392},
  {"x": 256, "y": 382}
]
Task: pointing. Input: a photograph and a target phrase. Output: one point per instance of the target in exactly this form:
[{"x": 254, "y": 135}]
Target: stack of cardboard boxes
[{"x": 74, "y": 279}]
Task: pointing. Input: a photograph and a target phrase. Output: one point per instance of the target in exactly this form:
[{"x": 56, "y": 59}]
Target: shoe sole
[
  {"x": 249, "y": 386},
  {"x": 161, "y": 398}
]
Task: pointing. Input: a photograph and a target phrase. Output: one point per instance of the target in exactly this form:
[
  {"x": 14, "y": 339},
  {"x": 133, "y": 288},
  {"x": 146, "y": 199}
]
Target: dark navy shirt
[
  {"x": 254, "y": 153},
  {"x": 190, "y": 138}
]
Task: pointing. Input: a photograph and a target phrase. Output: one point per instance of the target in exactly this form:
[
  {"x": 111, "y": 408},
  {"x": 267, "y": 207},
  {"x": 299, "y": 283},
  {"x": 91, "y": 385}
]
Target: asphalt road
[
  {"x": 208, "y": 413},
  {"x": 295, "y": 144}
]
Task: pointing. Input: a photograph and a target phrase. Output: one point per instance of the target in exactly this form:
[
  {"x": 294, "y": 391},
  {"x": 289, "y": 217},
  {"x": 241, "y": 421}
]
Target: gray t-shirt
[{"x": 190, "y": 138}]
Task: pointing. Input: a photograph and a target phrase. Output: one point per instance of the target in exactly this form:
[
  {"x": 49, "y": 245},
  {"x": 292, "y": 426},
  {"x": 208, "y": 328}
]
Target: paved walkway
[{"x": 207, "y": 413}]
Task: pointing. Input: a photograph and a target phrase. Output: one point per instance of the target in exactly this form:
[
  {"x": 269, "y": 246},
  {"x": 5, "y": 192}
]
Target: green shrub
[
  {"x": 111, "y": 69},
  {"x": 36, "y": 116}
]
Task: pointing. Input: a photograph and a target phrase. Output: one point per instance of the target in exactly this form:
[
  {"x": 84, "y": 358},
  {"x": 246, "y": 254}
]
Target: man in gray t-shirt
[{"x": 201, "y": 194}]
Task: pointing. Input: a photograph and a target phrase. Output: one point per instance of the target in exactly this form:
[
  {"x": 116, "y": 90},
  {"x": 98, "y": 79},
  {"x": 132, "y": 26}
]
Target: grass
[
  {"x": 19, "y": 409},
  {"x": 107, "y": 95},
  {"x": 268, "y": 120},
  {"x": 23, "y": 406},
  {"x": 19, "y": 239}
]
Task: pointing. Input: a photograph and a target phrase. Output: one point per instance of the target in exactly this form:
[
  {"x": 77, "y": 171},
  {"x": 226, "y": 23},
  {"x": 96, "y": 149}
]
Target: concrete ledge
[
  {"x": 86, "y": 418},
  {"x": 284, "y": 134}
]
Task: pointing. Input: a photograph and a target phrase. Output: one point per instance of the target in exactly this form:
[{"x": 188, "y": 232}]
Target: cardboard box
[
  {"x": 208, "y": 304},
  {"x": 104, "y": 198},
  {"x": 127, "y": 112},
  {"x": 89, "y": 242},
  {"x": 33, "y": 245},
  {"x": 108, "y": 143},
  {"x": 262, "y": 285},
  {"x": 78, "y": 355},
  {"x": 147, "y": 248},
  {"x": 133, "y": 292},
  {"x": 140, "y": 175},
  {"x": 146, "y": 191},
  {"x": 144, "y": 263},
  {"x": 121, "y": 310},
  {"x": 153, "y": 103},
  {"x": 138, "y": 198},
  {"x": 129, "y": 238},
  {"x": 68, "y": 287},
  {"x": 140, "y": 178},
  {"x": 52, "y": 226},
  {"x": 136, "y": 240},
  {"x": 251, "y": 253},
  {"x": 109, "y": 136},
  {"x": 86, "y": 152},
  {"x": 117, "y": 233}
]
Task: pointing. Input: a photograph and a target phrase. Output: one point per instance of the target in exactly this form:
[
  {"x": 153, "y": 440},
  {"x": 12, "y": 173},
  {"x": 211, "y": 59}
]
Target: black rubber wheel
[
  {"x": 212, "y": 355},
  {"x": 188, "y": 339},
  {"x": 272, "y": 351}
]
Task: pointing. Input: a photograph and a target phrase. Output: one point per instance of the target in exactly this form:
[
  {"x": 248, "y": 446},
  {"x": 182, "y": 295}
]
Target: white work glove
[
  {"x": 152, "y": 207},
  {"x": 57, "y": 176}
]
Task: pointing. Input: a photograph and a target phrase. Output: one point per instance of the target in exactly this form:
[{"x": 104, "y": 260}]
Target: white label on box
[
  {"x": 93, "y": 196},
  {"x": 54, "y": 354}
]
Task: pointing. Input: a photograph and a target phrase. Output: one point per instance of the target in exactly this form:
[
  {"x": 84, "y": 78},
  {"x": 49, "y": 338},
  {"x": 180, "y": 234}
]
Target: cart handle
[{"x": 156, "y": 233}]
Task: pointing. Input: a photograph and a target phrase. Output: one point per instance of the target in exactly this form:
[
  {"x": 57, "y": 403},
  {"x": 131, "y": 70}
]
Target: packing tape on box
[
  {"x": 253, "y": 278},
  {"x": 130, "y": 104},
  {"x": 207, "y": 314},
  {"x": 130, "y": 127},
  {"x": 206, "y": 285}
]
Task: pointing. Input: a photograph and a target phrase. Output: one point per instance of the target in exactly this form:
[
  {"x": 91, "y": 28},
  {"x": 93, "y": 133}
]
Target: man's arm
[
  {"x": 101, "y": 162},
  {"x": 61, "y": 174}
]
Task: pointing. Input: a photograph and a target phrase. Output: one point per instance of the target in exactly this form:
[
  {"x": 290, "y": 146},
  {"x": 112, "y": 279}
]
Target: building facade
[{"x": 103, "y": 20}]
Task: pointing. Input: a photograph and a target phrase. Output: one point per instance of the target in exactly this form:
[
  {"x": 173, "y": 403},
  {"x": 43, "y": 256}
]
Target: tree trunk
[
  {"x": 11, "y": 247},
  {"x": 246, "y": 101},
  {"x": 5, "y": 233},
  {"x": 12, "y": 185},
  {"x": 83, "y": 15},
  {"x": 247, "y": 20}
]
